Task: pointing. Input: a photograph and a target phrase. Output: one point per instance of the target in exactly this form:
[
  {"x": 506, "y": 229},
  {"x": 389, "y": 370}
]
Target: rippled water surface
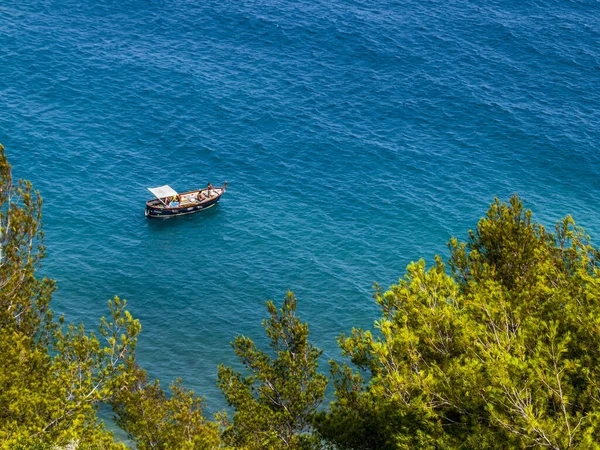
[{"x": 356, "y": 136}]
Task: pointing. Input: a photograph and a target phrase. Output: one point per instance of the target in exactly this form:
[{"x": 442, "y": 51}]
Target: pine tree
[
  {"x": 501, "y": 351},
  {"x": 52, "y": 376},
  {"x": 275, "y": 402},
  {"x": 156, "y": 421}
]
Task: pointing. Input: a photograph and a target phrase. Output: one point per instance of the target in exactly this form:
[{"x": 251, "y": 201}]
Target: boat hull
[{"x": 167, "y": 213}]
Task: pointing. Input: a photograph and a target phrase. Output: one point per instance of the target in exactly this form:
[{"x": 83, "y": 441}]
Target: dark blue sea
[{"x": 356, "y": 136}]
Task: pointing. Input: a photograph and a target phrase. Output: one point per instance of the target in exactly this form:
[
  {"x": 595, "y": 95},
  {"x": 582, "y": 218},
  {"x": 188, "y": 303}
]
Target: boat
[{"x": 168, "y": 203}]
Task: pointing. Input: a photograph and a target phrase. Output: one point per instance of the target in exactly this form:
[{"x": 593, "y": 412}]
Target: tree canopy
[
  {"x": 498, "y": 346},
  {"x": 52, "y": 376},
  {"x": 158, "y": 421},
  {"x": 275, "y": 403}
]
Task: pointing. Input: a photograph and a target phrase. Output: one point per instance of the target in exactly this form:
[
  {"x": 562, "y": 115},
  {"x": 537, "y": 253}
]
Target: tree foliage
[
  {"x": 24, "y": 299},
  {"x": 53, "y": 377},
  {"x": 498, "y": 347},
  {"x": 156, "y": 421},
  {"x": 501, "y": 350},
  {"x": 275, "y": 403}
]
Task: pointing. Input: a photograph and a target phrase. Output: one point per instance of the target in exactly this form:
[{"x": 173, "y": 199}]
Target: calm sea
[{"x": 356, "y": 136}]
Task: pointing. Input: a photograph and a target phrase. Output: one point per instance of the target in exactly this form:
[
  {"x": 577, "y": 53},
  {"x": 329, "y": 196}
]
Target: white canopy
[{"x": 163, "y": 191}]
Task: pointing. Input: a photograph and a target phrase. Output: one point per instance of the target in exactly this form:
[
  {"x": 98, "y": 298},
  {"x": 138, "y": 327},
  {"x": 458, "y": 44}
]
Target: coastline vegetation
[{"x": 496, "y": 347}]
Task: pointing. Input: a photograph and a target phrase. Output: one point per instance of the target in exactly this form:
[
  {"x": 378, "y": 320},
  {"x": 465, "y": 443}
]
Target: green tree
[
  {"x": 156, "y": 421},
  {"x": 24, "y": 299},
  {"x": 275, "y": 403},
  {"x": 54, "y": 399},
  {"x": 52, "y": 377},
  {"x": 502, "y": 351}
]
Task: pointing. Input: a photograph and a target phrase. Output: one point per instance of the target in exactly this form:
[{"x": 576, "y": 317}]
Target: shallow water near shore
[{"x": 356, "y": 137}]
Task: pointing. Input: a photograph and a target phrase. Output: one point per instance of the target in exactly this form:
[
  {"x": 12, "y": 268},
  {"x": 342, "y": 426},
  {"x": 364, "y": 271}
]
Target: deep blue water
[{"x": 356, "y": 136}]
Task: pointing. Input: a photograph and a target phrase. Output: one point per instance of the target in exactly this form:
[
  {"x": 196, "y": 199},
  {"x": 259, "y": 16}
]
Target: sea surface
[{"x": 356, "y": 136}]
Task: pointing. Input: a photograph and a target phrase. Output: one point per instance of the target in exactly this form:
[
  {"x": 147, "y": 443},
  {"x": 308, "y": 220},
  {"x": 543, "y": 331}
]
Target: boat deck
[{"x": 189, "y": 199}]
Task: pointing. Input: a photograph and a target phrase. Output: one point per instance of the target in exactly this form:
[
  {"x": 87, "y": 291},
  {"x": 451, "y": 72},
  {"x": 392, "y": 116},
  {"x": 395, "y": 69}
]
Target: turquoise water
[{"x": 356, "y": 136}]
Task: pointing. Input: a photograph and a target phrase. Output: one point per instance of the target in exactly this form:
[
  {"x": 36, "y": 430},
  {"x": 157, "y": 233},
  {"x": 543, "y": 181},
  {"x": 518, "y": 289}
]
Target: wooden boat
[{"x": 168, "y": 203}]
